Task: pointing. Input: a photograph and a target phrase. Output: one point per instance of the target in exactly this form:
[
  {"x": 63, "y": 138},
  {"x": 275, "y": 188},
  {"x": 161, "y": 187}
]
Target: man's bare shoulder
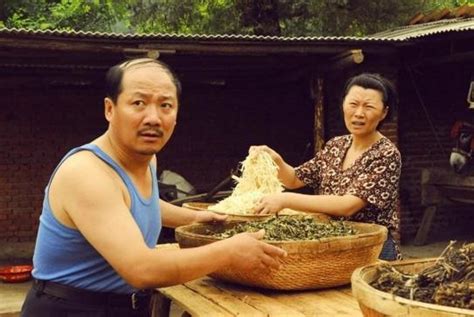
[
  {"x": 84, "y": 163},
  {"x": 84, "y": 171},
  {"x": 82, "y": 184}
]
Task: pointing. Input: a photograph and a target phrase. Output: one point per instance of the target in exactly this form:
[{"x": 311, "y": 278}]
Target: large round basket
[
  {"x": 375, "y": 303},
  {"x": 249, "y": 217},
  {"x": 310, "y": 264}
]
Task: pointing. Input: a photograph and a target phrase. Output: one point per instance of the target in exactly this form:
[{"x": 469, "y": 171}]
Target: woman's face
[{"x": 363, "y": 110}]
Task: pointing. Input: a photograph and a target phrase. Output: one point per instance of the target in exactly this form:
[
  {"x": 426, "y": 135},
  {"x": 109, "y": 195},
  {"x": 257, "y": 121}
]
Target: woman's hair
[
  {"x": 114, "y": 76},
  {"x": 379, "y": 83}
]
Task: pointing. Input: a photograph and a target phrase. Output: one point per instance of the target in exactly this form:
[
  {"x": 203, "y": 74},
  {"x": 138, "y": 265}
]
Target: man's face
[{"x": 144, "y": 117}]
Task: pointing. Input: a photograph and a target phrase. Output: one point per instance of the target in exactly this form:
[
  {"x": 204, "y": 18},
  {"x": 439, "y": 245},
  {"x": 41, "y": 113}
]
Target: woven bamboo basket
[
  {"x": 310, "y": 264},
  {"x": 375, "y": 303},
  {"x": 240, "y": 217}
]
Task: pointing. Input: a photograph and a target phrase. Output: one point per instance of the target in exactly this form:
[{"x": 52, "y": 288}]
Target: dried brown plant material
[{"x": 449, "y": 281}]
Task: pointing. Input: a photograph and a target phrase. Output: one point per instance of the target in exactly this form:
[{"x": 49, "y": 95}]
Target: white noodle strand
[{"x": 259, "y": 178}]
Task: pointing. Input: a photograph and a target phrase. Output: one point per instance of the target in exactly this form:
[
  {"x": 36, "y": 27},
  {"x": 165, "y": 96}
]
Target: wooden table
[
  {"x": 441, "y": 187},
  {"x": 208, "y": 297}
]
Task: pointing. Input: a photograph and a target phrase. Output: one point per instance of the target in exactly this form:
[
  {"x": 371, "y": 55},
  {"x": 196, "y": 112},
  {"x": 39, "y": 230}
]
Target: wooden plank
[
  {"x": 261, "y": 302},
  {"x": 205, "y": 287},
  {"x": 342, "y": 299},
  {"x": 307, "y": 305},
  {"x": 193, "y": 302},
  {"x": 321, "y": 303}
]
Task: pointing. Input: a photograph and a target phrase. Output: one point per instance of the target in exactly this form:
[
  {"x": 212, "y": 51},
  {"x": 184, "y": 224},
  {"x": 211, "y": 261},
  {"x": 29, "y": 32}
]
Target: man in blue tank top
[{"x": 95, "y": 252}]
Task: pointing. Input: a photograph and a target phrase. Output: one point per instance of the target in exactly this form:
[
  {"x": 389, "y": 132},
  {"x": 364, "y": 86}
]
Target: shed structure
[{"x": 237, "y": 91}]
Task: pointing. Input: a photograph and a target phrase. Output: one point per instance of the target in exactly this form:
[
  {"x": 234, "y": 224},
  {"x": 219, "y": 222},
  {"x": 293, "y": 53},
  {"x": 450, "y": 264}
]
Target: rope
[{"x": 425, "y": 110}]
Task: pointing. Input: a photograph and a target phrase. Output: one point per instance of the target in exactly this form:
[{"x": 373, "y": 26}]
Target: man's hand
[
  {"x": 249, "y": 253},
  {"x": 270, "y": 204}
]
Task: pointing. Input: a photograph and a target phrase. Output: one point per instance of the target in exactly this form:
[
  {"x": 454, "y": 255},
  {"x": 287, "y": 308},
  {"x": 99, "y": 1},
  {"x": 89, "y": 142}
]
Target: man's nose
[{"x": 153, "y": 114}]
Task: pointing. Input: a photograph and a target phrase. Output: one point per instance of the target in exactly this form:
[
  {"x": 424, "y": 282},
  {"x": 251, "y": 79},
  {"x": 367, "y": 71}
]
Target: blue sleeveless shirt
[{"x": 64, "y": 256}]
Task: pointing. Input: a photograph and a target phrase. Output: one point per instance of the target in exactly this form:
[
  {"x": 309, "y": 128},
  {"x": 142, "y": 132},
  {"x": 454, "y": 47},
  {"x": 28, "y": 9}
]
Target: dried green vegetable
[
  {"x": 449, "y": 281},
  {"x": 284, "y": 228}
]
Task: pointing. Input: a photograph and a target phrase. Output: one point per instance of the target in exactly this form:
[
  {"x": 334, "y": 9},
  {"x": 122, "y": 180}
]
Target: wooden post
[
  {"x": 424, "y": 229},
  {"x": 318, "y": 114}
]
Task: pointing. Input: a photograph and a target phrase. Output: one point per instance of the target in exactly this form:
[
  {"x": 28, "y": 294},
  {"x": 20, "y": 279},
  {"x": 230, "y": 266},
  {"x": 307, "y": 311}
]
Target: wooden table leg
[
  {"x": 160, "y": 305},
  {"x": 423, "y": 230}
]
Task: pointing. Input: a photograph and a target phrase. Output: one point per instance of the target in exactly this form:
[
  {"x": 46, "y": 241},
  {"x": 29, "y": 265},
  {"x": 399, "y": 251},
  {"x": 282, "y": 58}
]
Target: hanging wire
[{"x": 425, "y": 110}]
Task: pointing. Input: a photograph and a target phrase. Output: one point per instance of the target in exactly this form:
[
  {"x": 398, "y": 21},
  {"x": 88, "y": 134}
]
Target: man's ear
[{"x": 108, "y": 108}]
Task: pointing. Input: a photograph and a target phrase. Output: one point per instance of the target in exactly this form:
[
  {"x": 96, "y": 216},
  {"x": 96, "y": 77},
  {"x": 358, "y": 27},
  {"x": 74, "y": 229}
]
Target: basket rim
[
  {"x": 357, "y": 279},
  {"x": 196, "y": 205},
  {"x": 357, "y": 240},
  {"x": 199, "y": 206}
]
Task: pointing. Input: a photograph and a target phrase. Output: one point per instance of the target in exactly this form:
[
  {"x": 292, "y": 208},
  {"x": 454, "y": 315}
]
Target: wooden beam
[
  {"x": 348, "y": 59},
  {"x": 183, "y": 46},
  {"x": 462, "y": 57},
  {"x": 144, "y": 52}
]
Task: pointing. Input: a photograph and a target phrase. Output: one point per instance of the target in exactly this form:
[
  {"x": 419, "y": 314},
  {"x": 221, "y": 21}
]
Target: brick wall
[
  {"x": 216, "y": 126},
  {"x": 422, "y": 144},
  {"x": 425, "y": 142},
  {"x": 37, "y": 128}
]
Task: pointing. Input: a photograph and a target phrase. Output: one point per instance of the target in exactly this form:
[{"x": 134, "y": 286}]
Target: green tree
[
  {"x": 262, "y": 16},
  {"x": 93, "y": 15},
  {"x": 259, "y": 17},
  {"x": 185, "y": 16}
]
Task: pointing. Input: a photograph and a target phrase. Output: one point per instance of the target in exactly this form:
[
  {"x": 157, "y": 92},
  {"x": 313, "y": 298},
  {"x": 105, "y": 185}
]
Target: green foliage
[
  {"x": 185, "y": 16},
  {"x": 92, "y": 15},
  {"x": 266, "y": 17}
]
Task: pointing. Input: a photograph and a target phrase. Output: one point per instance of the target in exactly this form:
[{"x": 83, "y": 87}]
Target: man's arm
[
  {"x": 174, "y": 216},
  {"x": 97, "y": 208}
]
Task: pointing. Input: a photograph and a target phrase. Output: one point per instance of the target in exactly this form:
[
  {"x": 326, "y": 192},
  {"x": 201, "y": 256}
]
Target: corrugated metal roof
[
  {"x": 399, "y": 34},
  {"x": 427, "y": 29},
  {"x": 197, "y": 37}
]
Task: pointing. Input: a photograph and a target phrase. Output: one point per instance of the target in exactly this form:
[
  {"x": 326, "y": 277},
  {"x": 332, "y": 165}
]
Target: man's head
[
  {"x": 141, "y": 105},
  {"x": 113, "y": 79}
]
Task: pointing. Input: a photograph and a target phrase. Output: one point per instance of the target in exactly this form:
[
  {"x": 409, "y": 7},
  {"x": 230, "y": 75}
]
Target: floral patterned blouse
[{"x": 374, "y": 177}]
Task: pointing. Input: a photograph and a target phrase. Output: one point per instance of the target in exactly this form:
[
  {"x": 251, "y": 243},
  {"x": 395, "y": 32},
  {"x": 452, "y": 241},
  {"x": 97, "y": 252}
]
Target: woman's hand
[
  {"x": 209, "y": 216},
  {"x": 270, "y": 204},
  {"x": 273, "y": 154}
]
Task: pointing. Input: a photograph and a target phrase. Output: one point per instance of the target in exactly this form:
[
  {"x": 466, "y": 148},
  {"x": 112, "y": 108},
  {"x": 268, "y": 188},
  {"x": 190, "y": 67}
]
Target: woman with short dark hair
[{"x": 356, "y": 176}]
